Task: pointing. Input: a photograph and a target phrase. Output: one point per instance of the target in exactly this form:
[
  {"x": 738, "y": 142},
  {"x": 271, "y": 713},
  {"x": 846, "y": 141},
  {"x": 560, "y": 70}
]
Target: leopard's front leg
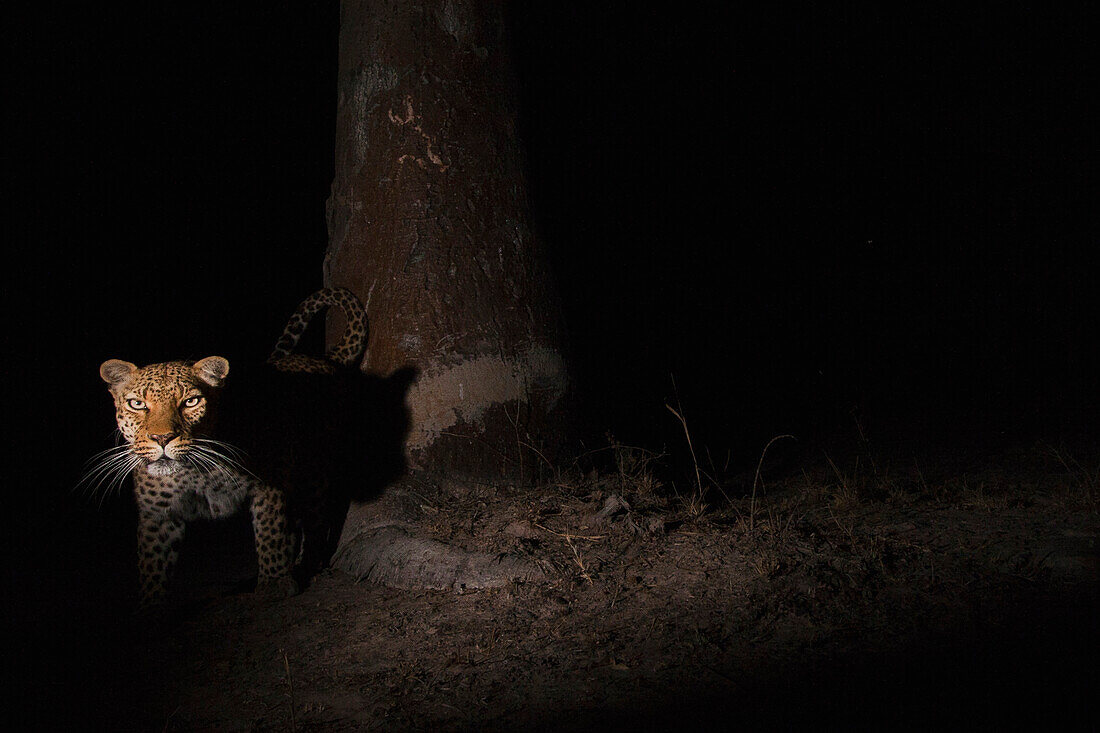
[
  {"x": 159, "y": 539},
  {"x": 273, "y": 542}
]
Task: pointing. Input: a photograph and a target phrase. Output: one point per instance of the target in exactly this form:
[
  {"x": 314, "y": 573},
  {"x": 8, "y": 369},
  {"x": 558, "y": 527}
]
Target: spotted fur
[
  {"x": 166, "y": 413},
  {"x": 343, "y": 353}
]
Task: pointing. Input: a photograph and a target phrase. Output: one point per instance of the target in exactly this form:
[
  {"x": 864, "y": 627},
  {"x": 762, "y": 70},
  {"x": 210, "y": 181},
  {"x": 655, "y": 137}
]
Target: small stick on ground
[
  {"x": 568, "y": 537},
  {"x": 580, "y": 562},
  {"x": 290, "y": 692},
  {"x": 569, "y": 541}
]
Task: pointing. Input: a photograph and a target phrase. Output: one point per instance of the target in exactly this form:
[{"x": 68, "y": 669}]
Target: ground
[{"x": 845, "y": 596}]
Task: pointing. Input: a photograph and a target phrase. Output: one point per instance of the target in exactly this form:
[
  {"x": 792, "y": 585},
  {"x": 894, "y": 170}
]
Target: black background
[
  {"x": 801, "y": 220},
  {"x": 807, "y": 219},
  {"x": 799, "y": 217}
]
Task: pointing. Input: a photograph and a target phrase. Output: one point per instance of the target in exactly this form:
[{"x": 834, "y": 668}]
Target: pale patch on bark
[
  {"x": 371, "y": 81},
  {"x": 413, "y": 121},
  {"x": 446, "y": 395},
  {"x": 451, "y": 21}
]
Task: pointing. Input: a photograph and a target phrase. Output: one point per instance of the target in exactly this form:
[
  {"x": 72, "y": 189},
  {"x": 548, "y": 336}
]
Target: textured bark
[{"x": 429, "y": 225}]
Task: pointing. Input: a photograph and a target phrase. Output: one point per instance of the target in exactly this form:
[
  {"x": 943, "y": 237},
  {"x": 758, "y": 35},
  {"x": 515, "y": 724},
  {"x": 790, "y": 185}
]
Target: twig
[
  {"x": 525, "y": 444},
  {"x": 571, "y": 536},
  {"x": 840, "y": 477},
  {"x": 290, "y": 692},
  {"x": 477, "y": 439},
  {"x": 756, "y": 479},
  {"x": 168, "y": 720},
  {"x": 687, "y": 434},
  {"x": 580, "y": 563}
]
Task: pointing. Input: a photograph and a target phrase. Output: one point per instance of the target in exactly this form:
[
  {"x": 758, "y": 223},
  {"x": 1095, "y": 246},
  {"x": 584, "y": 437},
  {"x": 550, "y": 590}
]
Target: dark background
[
  {"x": 809, "y": 220},
  {"x": 804, "y": 219}
]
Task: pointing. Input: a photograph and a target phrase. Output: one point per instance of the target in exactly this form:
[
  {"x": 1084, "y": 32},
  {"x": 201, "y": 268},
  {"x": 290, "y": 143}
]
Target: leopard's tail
[{"x": 351, "y": 344}]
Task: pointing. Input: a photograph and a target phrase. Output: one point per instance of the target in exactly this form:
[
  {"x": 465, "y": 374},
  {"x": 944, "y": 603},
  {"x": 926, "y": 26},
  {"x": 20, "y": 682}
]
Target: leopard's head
[{"x": 163, "y": 409}]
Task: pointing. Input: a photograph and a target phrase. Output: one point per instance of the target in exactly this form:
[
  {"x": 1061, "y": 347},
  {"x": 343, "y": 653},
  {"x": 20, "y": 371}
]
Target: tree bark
[{"x": 429, "y": 225}]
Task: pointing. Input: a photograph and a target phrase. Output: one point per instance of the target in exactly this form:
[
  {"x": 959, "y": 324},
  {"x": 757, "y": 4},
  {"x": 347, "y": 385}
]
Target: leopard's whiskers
[
  {"x": 106, "y": 472},
  {"x": 221, "y": 452},
  {"x": 102, "y": 461}
]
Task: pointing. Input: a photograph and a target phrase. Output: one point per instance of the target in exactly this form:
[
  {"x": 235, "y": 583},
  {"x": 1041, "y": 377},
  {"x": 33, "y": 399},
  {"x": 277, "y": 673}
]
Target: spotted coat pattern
[
  {"x": 343, "y": 353},
  {"x": 181, "y": 473}
]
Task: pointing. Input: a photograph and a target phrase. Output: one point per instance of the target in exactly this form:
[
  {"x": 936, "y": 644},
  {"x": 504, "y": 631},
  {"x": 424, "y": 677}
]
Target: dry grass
[
  {"x": 831, "y": 505},
  {"x": 756, "y": 482},
  {"x": 1085, "y": 481}
]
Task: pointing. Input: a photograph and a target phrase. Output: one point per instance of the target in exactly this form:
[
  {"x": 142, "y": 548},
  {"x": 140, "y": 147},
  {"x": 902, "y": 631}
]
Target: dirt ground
[{"x": 833, "y": 596}]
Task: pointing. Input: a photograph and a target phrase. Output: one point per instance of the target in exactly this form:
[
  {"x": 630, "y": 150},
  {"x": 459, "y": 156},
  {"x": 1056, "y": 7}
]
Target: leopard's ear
[
  {"x": 212, "y": 370},
  {"x": 116, "y": 372}
]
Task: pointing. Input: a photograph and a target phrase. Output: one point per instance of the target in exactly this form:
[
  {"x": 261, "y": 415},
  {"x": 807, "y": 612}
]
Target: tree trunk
[{"x": 429, "y": 225}]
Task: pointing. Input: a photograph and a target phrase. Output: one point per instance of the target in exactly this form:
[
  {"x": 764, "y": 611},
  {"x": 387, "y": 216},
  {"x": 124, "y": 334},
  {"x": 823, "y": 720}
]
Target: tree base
[
  {"x": 393, "y": 557},
  {"x": 390, "y": 541}
]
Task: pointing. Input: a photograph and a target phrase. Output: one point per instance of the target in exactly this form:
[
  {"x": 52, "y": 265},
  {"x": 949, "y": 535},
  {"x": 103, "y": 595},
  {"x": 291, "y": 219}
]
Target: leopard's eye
[
  {"x": 136, "y": 404},
  {"x": 192, "y": 401}
]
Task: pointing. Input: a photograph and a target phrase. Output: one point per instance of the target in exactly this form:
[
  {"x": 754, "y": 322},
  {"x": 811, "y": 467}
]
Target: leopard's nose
[{"x": 164, "y": 438}]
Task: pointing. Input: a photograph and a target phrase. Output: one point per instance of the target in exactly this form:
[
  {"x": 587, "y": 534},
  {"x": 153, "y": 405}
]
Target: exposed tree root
[
  {"x": 395, "y": 540},
  {"x": 393, "y": 557}
]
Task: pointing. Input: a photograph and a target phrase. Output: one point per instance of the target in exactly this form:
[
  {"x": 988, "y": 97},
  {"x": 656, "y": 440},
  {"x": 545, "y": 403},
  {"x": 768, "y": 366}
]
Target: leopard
[{"x": 171, "y": 415}]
